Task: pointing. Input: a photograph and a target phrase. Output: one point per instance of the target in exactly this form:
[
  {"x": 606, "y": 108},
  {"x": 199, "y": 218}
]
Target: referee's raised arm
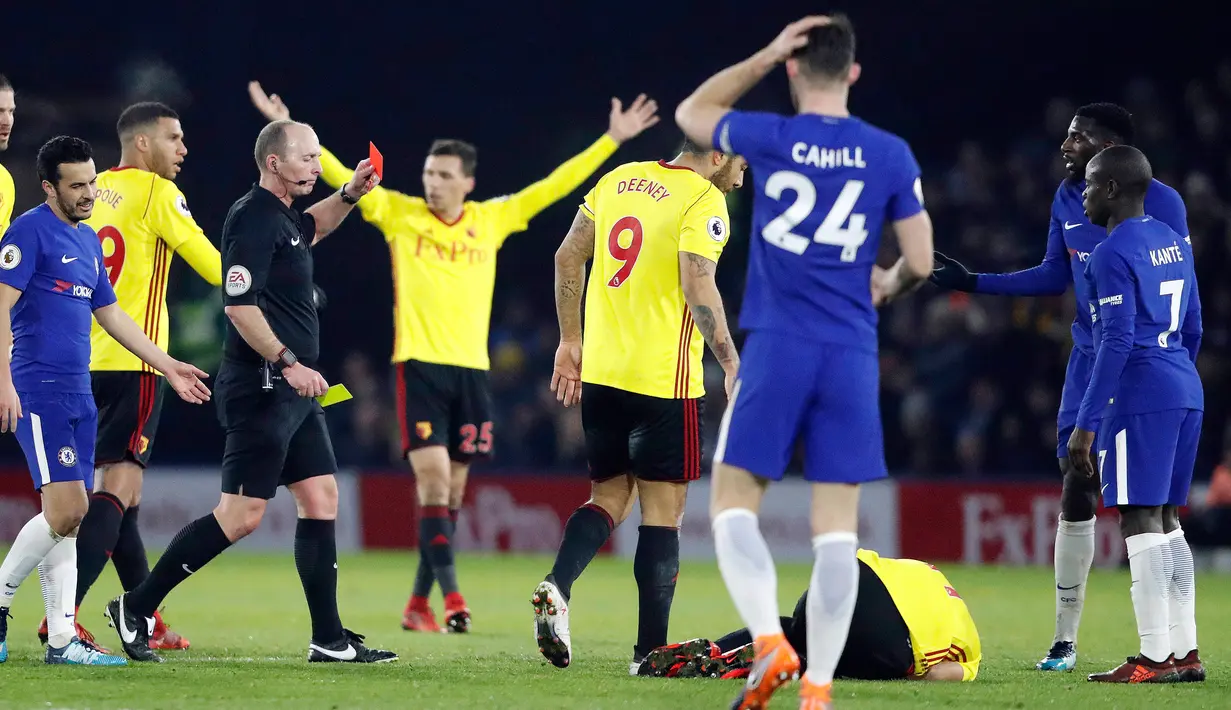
[{"x": 275, "y": 434}]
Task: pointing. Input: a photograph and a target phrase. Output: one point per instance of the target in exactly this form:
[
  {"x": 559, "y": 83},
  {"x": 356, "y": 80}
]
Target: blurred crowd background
[{"x": 970, "y": 383}]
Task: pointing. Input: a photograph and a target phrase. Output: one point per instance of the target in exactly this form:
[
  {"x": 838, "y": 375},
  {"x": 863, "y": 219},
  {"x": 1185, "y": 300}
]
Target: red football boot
[
  {"x": 1139, "y": 669},
  {"x": 457, "y": 615},
  {"x": 1190, "y": 668},
  {"x": 164, "y": 639},
  {"x": 82, "y": 633},
  {"x": 418, "y": 616}
]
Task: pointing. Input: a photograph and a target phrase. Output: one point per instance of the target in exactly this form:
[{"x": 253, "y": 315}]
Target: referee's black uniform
[{"x": 274, "y": 437}]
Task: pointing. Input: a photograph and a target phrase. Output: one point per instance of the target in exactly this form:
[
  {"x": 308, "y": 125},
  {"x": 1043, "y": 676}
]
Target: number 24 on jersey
[{"x": 831, "y": 232}]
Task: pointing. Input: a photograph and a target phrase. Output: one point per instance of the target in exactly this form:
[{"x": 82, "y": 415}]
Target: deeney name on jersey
[{"x": 656, "y": 191}]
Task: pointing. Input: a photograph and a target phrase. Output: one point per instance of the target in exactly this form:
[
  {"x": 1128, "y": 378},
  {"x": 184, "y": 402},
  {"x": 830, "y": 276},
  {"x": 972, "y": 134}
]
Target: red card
[{"x": 378, "y": 160}]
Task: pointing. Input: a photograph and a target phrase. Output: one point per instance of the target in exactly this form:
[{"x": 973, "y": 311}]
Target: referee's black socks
[
  {"x": 316, "y": 559},
  {"x": 199, "y": 542},
  {"x": 585, "y": 533},
  {"x": 656, "y": 566},
  {"x": 100, "y": 529}
]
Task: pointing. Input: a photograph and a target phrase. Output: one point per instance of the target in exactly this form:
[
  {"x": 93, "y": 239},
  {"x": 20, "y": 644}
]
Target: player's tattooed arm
[
  {"x": 701, "y": 293},
  {"x": 571, "y": 258}
]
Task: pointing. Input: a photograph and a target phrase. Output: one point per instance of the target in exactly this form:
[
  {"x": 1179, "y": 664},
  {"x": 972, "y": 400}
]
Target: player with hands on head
[
  {"x": 1146, "y": 400},
  {"x": 51, "y": 272},
  {"x": 443, "y": 248},
  {"x": 825, "y": 184}
]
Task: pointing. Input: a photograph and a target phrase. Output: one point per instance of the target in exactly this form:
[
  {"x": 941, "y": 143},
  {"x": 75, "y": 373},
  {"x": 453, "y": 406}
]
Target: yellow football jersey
[
  {"x": 7, "y": 195},
  {"x": 639, "y": 335},
  {"x": 444, "y": 274},
  {"x": 941, "y": 628},
  {"x": 142, "y": 219}
]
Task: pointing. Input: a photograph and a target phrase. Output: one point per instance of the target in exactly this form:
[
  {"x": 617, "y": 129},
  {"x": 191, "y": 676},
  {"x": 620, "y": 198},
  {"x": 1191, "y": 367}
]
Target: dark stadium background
[{"x": 983, "y": 92}]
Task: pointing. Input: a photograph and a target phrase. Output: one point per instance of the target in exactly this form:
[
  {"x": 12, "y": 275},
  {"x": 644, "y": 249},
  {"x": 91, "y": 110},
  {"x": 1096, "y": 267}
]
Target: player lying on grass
[{"x": 908, "y": 623}]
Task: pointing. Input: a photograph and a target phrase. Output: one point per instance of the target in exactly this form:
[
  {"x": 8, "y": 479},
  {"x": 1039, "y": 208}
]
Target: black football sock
[
  {"x": 585, "y": 533},
  {"x": 96, "y": 539},
  {"x": 316, "y": 558},
  {"x": 656, "y": 566},
  {"x": 436, "y": 536},
  {"x": 425, "y": 578},
  {"x": 131, "y": 563},
  {"x": 199, "y": 542}
]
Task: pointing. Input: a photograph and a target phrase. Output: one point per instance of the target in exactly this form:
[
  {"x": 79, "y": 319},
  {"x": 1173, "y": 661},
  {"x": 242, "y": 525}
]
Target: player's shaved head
[
  {"x": 830, "y": 51},
  {"x": 1116, "y": 182},
  {"x": 1123, "y": 166}
]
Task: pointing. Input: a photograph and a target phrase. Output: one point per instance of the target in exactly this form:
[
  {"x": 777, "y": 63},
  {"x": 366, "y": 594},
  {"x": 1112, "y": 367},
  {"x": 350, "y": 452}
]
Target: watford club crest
[
  {"x": 143, "y": 445},
  {"x": 424, "y": 430}
]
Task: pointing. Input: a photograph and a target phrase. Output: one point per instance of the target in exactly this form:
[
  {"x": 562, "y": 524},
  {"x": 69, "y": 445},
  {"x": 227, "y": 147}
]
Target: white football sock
[
  {"x": 1183, "y": 602},
  {"x": 1074, "y": 555},
  {"x": 831, "y": 602},
  {"x": 32, "y": 544},
  {"x": 1149, "y": 562},
  {"x": 58, "y": 575},
  {"x": 748, "y": 570}
]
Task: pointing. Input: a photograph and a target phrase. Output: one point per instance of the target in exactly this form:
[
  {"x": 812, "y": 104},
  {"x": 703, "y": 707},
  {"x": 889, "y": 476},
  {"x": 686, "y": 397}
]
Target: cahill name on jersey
[
  {"x": 639, "y": 333},
  {"x": 824, "y": 188}
]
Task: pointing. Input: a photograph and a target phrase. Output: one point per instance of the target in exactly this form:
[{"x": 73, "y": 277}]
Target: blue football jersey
[
  {"x": 1068, "y": 217},
  {"x": 824, "y": 187},
  {"x": 1144, "y": 306},
  {"x": 59, "y": 270}
]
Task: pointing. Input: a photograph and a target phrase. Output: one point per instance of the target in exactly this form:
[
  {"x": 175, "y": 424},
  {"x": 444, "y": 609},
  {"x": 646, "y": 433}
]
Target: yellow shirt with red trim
[
  {"x": 639, "y": 334},
  {"x": 941, "y": 628},
  {"x": 7, "y": 195},
  {"x": 142, "y": 219},
  {"x": 444, "y": 274}
]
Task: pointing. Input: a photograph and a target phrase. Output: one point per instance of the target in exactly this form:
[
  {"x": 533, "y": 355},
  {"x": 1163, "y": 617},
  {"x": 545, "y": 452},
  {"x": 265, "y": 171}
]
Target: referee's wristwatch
[
  {"x": 286, "y": 358},
  {"x": 347, "y": 198}
]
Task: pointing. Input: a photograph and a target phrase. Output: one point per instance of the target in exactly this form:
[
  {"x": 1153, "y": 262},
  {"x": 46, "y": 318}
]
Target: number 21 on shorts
[{"x": 831, "y": 232}]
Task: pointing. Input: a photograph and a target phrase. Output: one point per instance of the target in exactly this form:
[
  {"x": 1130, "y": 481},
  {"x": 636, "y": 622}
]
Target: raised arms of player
[
  {"x": 571, "y": 258},
  {"x": 518, "y": 209},
  {"x": 699, "y": 114},
  {"x": 329, "y": 212}
]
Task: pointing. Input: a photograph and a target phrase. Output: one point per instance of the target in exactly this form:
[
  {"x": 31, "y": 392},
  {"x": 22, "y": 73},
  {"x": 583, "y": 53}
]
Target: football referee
[{"x": 275, "y": 430}]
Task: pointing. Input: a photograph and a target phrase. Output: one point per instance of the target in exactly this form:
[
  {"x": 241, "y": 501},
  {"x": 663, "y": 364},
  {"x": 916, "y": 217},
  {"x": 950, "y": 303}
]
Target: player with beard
[
  {"x": 142, "y": 220},
  {"x": 52, "y": 281}
]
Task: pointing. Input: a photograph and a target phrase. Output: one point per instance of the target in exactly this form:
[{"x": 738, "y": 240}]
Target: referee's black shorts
[
  {"x": 878, "y": 645},
  {"x": 273, "y": 438}
]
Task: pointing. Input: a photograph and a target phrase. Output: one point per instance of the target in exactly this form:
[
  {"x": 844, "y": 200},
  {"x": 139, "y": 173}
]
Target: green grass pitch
[{"x": 249, "y": 627}]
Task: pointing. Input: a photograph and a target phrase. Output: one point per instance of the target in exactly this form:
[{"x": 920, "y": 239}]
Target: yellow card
[{"x": 333, "y": 395}]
